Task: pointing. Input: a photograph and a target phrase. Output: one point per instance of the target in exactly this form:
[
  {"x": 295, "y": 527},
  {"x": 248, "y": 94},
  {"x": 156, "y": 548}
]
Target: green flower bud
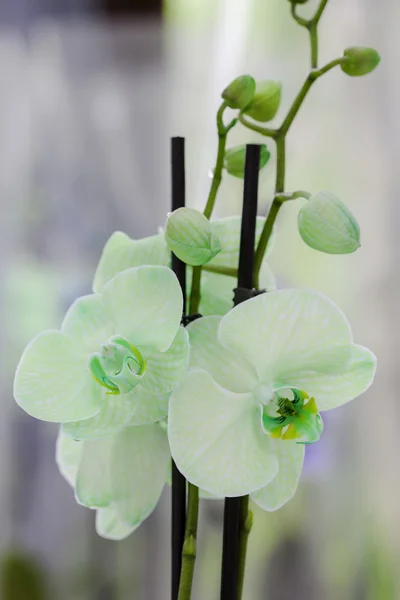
[
  {"x": 188, "y": 234},
  {"x": 359, "y": 61},
  {"x": 327, "y": 225},
  {"x": 235, "y": 159},
  {"x": 298, "y": 1},
  {"x": 266, "y": 101},
  {"x": 239, "y": 92}
]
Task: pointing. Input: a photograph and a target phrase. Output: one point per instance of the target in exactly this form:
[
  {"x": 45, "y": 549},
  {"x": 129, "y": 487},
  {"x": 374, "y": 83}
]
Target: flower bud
[
  {"x": 239, "y": 92},
  {"x": 188, "y": 234},
  {"x": 235, "y": 159},
  {"x": 266, "y": 101},
  {"x": 359, "y": 61},
  {"x": 298, "y": 1},
  {"x": 327, "y": 225}
]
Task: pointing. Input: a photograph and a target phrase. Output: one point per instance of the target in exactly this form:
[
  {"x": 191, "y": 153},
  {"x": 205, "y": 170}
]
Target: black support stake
[
  {"x": 178, "y": 480},
  {"x": 230, "y": 551}
]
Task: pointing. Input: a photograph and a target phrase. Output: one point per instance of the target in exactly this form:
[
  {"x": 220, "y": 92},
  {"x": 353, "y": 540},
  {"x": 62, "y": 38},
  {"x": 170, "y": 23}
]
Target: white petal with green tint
[
  {"x": 216, "y": 438},
  {"x": 121, "y": 253},
  {"x": 146, "y": 304},
  {"x": 228, "y": 232},
  {"x": 110, "y": 526},
  {"x": 68, "y": 456},
  {"x": 283, "y": 325},
  {"x": 88, "y": 323},
  {"x": 117, "y": 411},
  {"x": 140, "y": 464},
  {"x": 331, "y": 390},
  {"x": 164, "y": 370},
  {"x": 93, "y": 481},
  {"x": 149, "y": 408},
  {"x": 217, "y": 290},
  {"x": 53, "y": 382},
  {"x": 283, "y": 486},
  {"x": 229, "y": 370}
]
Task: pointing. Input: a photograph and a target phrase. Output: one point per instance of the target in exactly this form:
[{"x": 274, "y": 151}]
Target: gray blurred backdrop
[{"x": 90, "y": 95}]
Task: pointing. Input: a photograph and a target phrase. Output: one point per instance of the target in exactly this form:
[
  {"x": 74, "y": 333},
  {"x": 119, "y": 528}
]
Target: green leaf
[
  {"x": 110, "y": 526},
  {"x": 121, "y": 253},
  {"x": 146, "y": 305},
  {"x": 88, "y": 323},
  {"x": 53, "y": 382},
  {"x": 327, "y": 225},
  {"x": 140, "y": 463},
  {"x": 189, "y": 235},
  {"x": 283, "y": 487},
  {"x": 286, "y": 327},
  {"x": 216, "y": 438}
]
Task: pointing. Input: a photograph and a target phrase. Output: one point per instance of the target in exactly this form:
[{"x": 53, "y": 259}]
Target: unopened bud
[
  {"x": 359, "y": 61},
  {"x": 235, "y": 159},
  {"x": 327, "y": 225},
  {"x": 239, "y": 92},
  {"x": 266, "y": 101},
  {"x": 188, "y": 234}
]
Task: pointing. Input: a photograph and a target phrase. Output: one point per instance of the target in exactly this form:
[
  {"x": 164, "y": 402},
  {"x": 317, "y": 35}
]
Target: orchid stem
[{"x": 189, "y": 544}]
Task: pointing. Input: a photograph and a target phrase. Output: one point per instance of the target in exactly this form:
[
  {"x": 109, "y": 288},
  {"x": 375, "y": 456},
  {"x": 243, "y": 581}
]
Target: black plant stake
[
  {"x": 232, "y": 570},
  {"x": 179, "y": 268}
]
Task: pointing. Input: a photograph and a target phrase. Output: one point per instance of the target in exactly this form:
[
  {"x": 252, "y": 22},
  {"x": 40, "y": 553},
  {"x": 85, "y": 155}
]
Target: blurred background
[{"x": 91, "y": 92}]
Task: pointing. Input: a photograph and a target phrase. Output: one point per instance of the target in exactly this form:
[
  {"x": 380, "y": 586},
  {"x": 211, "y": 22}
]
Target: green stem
[
  {"x": 230, "y": 271},
  {"x": 313, "y": 29},
  {"x": 272, "y": 133},
  {"x": 195, "y": 291},
  {"x": 281, "y": 162},
  {"x": 246, "y": 523},
  {"x": 189, "y": 544},
  {"x": 223, "y": 130}
]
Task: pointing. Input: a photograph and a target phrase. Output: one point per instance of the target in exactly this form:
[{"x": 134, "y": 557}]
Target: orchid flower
[
  {"x": 115, "y": 361},
  {"x": 258, "y": 379}
]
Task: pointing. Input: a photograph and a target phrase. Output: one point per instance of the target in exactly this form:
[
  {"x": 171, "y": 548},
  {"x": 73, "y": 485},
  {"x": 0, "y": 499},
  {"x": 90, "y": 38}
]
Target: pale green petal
[
  {"x": 88, "y": 323},
  {"x": 228, "y": 232},
  {"x": 93, "y": 481},
  {"x": 110, "y": 527},
  {"x": 164, "y": 370},
  {"x": 216, "y": 438},
  {"x": 53, "y": 382},
  {"x": 146, "y": 304},
  {"x": 282, "y": 488},
  {"x": 217, "y": 290},
  {"x": 229, "y": 370},
  {"x": 285, "y": 325},
  {"x": 149, "y": 408},
  {"x": 117, "y": 411},
  {"x": 140, "y": 466},
  {"x": 334, "y": 389},
  {"x": 121, "y": 252},
  {"x": 68, "y": 456}
]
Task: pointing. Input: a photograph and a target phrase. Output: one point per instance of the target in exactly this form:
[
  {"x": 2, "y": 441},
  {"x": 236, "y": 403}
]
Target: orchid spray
[{"x": 187, "y": 349}]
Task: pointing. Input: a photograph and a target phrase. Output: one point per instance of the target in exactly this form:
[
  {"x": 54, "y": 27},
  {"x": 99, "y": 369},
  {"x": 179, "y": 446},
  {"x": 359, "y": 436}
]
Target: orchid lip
[{"x": 118, "y": 367}]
